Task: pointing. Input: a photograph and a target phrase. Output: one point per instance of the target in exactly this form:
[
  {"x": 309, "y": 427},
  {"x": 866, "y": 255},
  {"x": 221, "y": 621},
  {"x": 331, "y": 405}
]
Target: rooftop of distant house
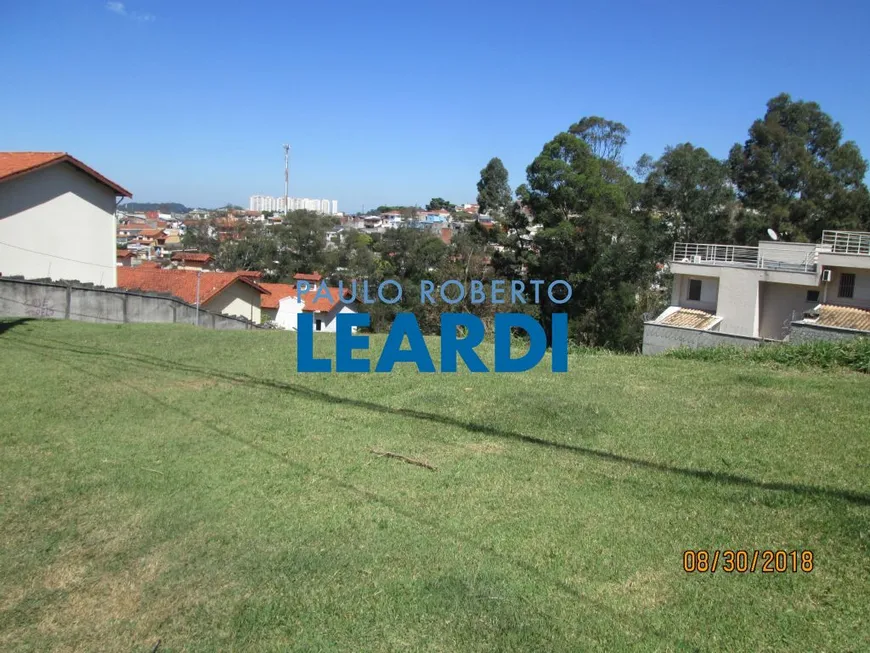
[
  {"x": 277, "y": 292},
  {"x": 183, "y": 283},
  {"x": 17, "y": 164},
  {"x": 193, "y": 257}
]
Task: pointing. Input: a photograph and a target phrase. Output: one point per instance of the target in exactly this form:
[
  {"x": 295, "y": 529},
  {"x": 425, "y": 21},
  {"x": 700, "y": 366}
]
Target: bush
[{"x": 851, "y": 354}]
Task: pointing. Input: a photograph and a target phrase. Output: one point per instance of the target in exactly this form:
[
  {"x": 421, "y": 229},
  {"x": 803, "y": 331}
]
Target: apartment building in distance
[
  {"x": 276, "y": 204},
  {"x": 736, "y": 295}
]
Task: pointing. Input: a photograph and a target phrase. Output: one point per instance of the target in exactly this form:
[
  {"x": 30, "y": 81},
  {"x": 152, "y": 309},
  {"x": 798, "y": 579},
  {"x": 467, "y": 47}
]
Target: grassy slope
[{"x": 167, "y": 482}]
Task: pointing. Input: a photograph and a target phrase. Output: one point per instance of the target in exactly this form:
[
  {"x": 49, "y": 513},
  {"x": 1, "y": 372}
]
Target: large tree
[
  {"x": 493, "y": 191},
  {"x": 605, "y": 138},
  {"x": 795, "y": 173},
  {"x": 689, "y": 193},
  {"x": 589, "y": 237},
  {"x": 439, "y": 203}
]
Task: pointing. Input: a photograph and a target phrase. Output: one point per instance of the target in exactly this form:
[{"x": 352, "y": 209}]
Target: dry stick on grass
[{"x": 411, "y": 461}]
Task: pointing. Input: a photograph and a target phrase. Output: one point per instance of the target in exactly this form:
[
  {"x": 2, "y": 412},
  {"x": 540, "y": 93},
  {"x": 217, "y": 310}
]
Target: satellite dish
[{"x": 773, "y": 235}]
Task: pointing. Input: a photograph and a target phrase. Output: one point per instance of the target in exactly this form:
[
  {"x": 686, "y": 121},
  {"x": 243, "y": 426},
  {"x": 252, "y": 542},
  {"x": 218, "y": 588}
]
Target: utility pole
[
  {"x": 286, "y": 178},
  {"x": 198, "y": 277}
]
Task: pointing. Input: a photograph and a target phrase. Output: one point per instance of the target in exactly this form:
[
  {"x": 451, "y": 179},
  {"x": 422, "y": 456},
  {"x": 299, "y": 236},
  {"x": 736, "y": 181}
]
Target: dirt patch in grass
[
  {"x": 643, "y": 590},
  {"x": 95, "y": 606}
]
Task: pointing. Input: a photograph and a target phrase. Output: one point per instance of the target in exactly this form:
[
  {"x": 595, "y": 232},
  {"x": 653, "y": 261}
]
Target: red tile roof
[
  {"x": 15, "y": 164},
  {"x": 124, "y": 253},
  {"x": 151, "y": 233},
  {"x": 322, "y": 304},
  {"x": 300, "y": 276},
  {"x": 278, "y": 292},
  {"x": 691, "y": 318},
  {"x": 195, "y": 257},
  {"x": 148, "y": 265},
  {"x": 181, "y": 283},
  {"x": 843, "y": 317}
]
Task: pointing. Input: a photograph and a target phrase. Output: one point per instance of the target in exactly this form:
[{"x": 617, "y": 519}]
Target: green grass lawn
[{"x": 186, "y": 485}]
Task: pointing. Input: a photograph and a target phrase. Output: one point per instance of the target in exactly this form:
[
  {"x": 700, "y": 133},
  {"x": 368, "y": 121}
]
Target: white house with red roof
[
  {"x": 324, "y": 302},
  {"x": 57, "y": 218},
  {"x": 231, "y": 293}
]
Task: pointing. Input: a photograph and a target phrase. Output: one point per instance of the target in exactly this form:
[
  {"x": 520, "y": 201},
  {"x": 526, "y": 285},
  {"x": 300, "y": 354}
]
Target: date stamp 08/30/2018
[{"x": 743, "y": 561}]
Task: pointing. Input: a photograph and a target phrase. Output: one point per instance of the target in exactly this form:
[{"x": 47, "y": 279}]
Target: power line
[{"x": 62, "y": 258}]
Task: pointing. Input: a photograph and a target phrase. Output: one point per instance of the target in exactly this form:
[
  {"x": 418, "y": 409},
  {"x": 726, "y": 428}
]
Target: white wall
[
  {"x": 709, "y": 292},
  {"x": 64, "y": 214},
  {"x": 237, "y": 299},
  {"x": 861, "y": 295},
  {"x": 780, "y": 305},
  {"x": 289, "y": 308},
  {"x": 739, "y": 301},
  {"x": 772, "y": 251}
]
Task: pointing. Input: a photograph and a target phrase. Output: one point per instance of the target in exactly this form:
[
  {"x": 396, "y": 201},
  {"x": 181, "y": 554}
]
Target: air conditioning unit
[{"x": 826, "y": 275}]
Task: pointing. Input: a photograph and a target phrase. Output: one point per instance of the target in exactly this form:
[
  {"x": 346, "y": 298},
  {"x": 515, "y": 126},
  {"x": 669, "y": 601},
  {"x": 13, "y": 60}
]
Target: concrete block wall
[
  {"x": 801, "y": 332},
  {"x": 658, "y": 338},
  {"x": 46, "y": 299}
]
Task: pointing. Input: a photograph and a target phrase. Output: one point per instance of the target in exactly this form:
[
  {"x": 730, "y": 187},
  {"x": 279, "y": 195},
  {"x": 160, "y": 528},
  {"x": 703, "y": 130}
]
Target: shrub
[{"x": 851, "y": 354}]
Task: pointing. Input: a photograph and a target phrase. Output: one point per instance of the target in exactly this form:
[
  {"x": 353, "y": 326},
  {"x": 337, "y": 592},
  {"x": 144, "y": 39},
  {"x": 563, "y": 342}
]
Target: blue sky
[{"x": 397, "y": 102}]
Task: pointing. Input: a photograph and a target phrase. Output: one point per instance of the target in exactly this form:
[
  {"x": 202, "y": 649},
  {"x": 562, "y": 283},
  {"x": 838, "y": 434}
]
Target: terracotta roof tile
[
  {"x": 196, "y": 257},
  {"x": 691, "y": 318},
  {"x": 314, "y": 276},
  {"x": 322, "y": 304},
  {"x": 843, "y": 317},
  {"x": 181, "y": 283},
  {"x": 124, "y": 253},
  {"x": 278, "y": 291},
  {"x": 14, "y": 164}
]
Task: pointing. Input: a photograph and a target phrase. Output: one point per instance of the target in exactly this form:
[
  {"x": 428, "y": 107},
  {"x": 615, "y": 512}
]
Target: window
[
  {"x": 695, "y": 290},
  {"x": 847, "y": 285},
  {"x": 319, "y": 324},
  {"x": 812, "y": 295}
]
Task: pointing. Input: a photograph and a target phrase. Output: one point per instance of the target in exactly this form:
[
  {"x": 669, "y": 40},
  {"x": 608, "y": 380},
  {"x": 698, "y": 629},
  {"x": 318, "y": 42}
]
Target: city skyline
[{"x": 276, "y": 204}]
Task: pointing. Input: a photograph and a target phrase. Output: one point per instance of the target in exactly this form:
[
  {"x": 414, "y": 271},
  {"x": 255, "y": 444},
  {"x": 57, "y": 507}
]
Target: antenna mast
[{"x": 286, "y": 178}]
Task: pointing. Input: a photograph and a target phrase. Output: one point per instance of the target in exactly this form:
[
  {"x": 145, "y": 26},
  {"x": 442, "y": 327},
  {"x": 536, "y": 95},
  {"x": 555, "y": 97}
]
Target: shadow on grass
[
  {"x": 9, "y": 324},
  {"x": 471, "y": 427}
]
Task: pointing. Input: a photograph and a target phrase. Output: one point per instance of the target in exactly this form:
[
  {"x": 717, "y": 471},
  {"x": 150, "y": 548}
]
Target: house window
[
  {"x": 319, "y": 325},
  {"x": 812, "y": 295},
  {"x": 847, "y": 285},
  {"x": 695, "y": 290}
]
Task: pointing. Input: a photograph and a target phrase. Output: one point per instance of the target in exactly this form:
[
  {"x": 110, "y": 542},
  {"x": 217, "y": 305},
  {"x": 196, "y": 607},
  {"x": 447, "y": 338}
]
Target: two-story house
[{"x": 738, "y": 295}]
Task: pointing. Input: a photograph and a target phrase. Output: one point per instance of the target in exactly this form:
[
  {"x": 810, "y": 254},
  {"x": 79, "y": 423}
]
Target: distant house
[
  {"x": 231, "y": 293},
  {"x": 124, "y": 257},
  {"x": 57, "y": 218},
  {"x": 269, "y": 304},
  {"x": 734, "y": 294},
  {"x": 192, "y": 260},
  {"x": 325, "y": 310}
]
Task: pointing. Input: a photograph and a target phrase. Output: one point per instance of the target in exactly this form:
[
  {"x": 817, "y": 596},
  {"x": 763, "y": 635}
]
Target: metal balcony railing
[
  {"x": 846, "y": 242},
  {"x": 768, "y": 258}
]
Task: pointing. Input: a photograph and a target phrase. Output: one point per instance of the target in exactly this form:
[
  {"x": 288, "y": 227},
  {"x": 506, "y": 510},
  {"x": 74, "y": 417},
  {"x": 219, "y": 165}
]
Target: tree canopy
[
  {"x": 690, "y": 194},
  {"x": 437, "y": 203},
  {"x": 493, "y": 191},
  {"x": 796, "y": 174}
]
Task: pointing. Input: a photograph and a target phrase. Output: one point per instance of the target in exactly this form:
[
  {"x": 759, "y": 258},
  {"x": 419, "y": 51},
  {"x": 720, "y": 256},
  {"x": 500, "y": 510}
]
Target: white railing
[
  {"x": 768, "y": 258},
  {"x": 846, "y": 242}
]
